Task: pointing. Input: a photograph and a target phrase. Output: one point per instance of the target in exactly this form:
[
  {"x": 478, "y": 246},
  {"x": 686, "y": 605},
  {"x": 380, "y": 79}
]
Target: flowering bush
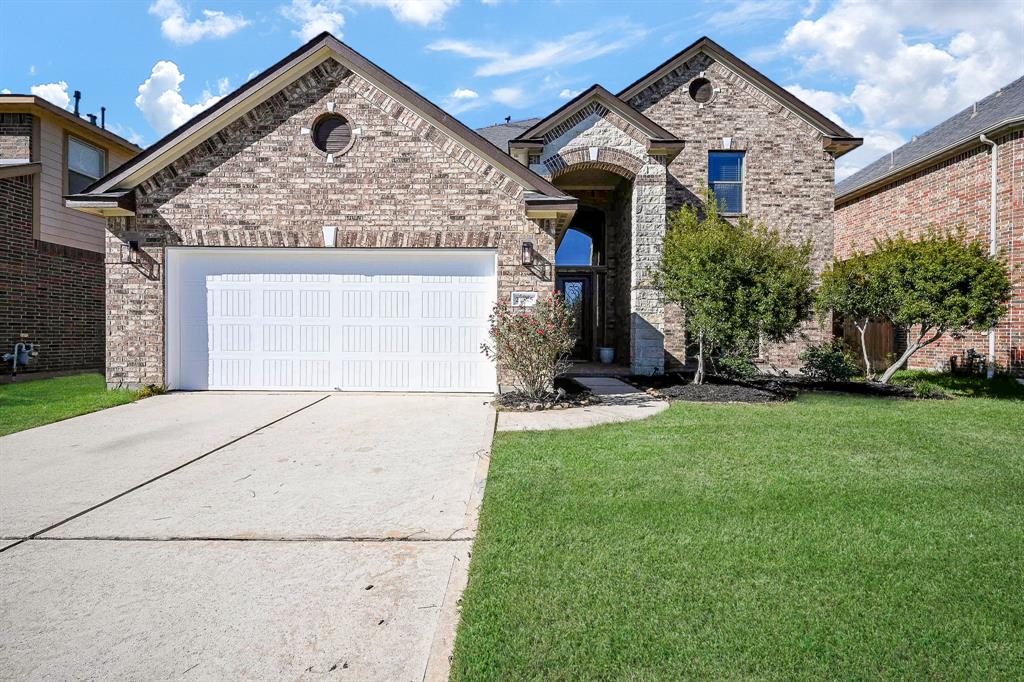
[{"x": 532, "y": 344}]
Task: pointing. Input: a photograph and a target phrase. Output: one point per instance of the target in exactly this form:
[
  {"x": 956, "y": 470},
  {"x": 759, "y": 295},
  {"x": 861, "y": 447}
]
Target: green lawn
[
  {"x": 33, "y": 403},
  {"x": 828, "y": 538}
]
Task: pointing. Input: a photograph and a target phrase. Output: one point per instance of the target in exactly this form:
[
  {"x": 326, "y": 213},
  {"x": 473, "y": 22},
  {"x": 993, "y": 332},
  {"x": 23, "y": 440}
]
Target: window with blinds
[
  {"x": 725, "y": 177},
  {"x": 86, "y": 165}
]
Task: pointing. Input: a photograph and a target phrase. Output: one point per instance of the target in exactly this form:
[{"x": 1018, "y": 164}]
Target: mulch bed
[
  {"x": 715, "y": 389},
  {"x": 568, "y": 393}
]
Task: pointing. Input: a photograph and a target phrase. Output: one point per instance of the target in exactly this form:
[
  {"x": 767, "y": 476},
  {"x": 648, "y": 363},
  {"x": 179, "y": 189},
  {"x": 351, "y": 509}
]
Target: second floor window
[
  {"x": 725, "y": 177},
  {"x": 86, "y": 165}
]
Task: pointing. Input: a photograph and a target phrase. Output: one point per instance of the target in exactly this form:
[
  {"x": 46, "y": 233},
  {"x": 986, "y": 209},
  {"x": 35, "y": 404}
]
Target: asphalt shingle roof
[
  {"x": 1007, "y": 103},
  {"x": 500, "y": 134}
]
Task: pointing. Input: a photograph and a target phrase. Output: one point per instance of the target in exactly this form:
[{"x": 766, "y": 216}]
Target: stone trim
[
  {"x": 595, "y": 109},
  {"x": 613, "y": 160}
]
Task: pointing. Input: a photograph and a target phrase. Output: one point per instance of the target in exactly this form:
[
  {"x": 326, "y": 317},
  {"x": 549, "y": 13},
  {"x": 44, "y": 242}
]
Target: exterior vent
[
  {"x": 701, "y": 90},
  {"x": 332, "y": 134}
]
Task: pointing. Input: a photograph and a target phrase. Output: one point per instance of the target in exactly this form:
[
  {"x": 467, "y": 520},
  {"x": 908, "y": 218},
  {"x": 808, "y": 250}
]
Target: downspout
[{"x": 991, "y": 364}]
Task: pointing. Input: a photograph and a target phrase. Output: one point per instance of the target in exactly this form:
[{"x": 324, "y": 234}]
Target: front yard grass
[
  {"x": 29, "y": 404},
  {"x": 828, "y": 538}
]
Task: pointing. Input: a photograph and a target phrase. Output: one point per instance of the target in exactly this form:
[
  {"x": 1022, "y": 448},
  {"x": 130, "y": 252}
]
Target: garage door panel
[{"x": 367, "y": 320}]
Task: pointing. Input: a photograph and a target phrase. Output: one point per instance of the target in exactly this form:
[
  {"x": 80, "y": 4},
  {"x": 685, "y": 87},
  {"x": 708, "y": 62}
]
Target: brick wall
[
  {"x": 789, "y": 183},
  {"x": 15, "y": 136},
  {"x": 953, "y": 193},
  {"x": 260, "y": 182},
  {"x": 50, "y": 295}
]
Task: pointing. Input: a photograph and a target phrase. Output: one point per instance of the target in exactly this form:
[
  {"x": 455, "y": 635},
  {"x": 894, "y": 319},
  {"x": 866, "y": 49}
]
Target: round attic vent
[
  {"x": 332, "y": 134},
  {"x": 701, "y": 90}
]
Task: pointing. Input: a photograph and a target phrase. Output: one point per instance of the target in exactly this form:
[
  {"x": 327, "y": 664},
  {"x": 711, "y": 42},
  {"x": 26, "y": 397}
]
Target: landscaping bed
[
  {"x": 568, "y": 393},
  {"x": 767, "y": 389}
]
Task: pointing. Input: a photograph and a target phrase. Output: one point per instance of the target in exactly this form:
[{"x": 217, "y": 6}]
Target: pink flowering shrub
[{"x": 532, "y": 345}]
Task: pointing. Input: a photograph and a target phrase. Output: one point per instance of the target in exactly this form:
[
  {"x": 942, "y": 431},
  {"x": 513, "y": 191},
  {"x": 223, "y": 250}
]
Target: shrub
[
  {"x": 531, "y": 345},
  {"x": 828, "y": 362},
  {"x": 736, "y": 366}
]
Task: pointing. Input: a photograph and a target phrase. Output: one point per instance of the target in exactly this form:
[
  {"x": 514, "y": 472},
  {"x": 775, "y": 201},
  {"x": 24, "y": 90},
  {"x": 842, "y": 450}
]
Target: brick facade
[
  {"x": 15, "y": 136},
  {"x": 954, "y": 193},
  {"x": 50, "y": 295},
  {"x": 260, "y": 182}
]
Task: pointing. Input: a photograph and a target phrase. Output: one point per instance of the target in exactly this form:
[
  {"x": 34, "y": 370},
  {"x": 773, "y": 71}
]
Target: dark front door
[{"x": 579, "y": 297}]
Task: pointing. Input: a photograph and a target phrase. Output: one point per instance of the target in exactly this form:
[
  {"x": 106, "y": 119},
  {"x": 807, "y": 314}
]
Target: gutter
[{"x": 992, "y": 236}]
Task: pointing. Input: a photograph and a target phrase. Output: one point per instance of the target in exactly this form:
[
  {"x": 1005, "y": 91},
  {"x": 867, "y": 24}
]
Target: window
[
  {"x": 725, "y": 177},
  {"x": 86, "y": 164}
]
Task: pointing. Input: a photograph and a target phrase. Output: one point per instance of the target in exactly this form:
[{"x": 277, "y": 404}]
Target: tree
[
  {"x": 736, "y": 284},
  {"x": 939, "y": 285},
  {"x": 852, "y": 289},
  {"x": 532, "y": 344}
]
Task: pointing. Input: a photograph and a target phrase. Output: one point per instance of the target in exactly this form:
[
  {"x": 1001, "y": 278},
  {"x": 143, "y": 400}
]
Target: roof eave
[
  {"x": 107, "y": 205},
  {"x": 930, "y": 160},
  {"x": 837, "y": 146}
]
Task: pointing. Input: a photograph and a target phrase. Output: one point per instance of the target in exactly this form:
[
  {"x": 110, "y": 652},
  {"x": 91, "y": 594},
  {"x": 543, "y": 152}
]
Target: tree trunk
[
  {"x": 911, "y": 349},
  {"x": 698, "y": 378},
  {"x": 864, "y": 345}
]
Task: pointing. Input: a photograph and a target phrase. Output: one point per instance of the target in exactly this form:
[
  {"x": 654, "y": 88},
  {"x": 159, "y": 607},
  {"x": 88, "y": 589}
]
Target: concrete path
[
  {"x": 254, "y": 536},
  {"x": 620, "y": 402}
]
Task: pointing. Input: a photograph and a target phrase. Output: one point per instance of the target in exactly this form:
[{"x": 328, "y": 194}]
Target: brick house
[
  {"x": 324, "y": 226},
  {"x": 51, "y": 259},
  {"x": 967, "y": 172}
]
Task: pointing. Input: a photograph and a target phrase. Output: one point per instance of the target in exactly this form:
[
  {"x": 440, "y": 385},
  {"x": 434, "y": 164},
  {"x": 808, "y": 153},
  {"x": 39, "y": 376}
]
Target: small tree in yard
[
  {"x": 853, "y": 289},
  {"x": 736, "y": 284},
  {"x": 939, "y": 285},
  {"x": 532, "y": 344}
]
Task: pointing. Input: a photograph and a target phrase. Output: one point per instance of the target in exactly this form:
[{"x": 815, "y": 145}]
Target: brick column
[{"x": 647, "y": 311}]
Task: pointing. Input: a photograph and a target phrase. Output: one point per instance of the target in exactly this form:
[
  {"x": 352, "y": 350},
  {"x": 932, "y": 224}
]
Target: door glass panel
[{"x": 574, "y": 302}]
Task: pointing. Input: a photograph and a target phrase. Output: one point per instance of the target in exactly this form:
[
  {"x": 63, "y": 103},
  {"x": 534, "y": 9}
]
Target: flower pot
[{"x": 607, "y": 355}]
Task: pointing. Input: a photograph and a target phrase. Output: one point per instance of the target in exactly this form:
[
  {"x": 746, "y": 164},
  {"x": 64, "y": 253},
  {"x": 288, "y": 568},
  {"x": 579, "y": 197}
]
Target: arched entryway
[{"x": 594, "y": 258}]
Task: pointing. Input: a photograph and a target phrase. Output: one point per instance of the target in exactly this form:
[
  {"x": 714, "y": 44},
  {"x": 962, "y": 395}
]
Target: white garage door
[{"x": 325, "y": 319}]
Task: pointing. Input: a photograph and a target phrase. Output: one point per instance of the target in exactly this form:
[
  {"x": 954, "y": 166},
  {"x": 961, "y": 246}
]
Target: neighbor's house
[
  {"x": 51, "y": 258},
  {"x": 943, "y": 179},
  {"x": 218, "y": 275}
]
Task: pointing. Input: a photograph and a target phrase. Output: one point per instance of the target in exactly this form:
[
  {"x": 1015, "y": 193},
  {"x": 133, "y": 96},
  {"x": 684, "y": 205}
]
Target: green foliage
[
  {"x": 532, "y": 344},
  {"x": 736, "y": 365},
  {"x": 151, "y": 390},
  {"x": 943, "y": 384},
  {"x": 35, "y": 402},
  {"x": 852, "y": 288},
  {"x": 828, "y": 362},
  {"x": 736, "y": 283}
]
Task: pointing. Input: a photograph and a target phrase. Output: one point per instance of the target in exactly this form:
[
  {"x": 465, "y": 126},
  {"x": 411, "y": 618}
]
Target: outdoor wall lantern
[{"x": 528, "y": 254}]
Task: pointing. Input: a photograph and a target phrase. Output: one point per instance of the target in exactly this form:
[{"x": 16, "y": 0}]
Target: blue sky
[{"x": 886, "y": 70}]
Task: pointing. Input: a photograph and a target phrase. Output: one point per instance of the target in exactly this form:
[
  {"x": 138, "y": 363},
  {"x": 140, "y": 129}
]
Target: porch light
[{"x": 527, "y": 253}]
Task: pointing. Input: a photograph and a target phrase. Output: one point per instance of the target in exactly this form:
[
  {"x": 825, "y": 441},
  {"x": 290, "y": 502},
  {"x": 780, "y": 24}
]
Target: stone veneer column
[{"x": 647, "y": 311}]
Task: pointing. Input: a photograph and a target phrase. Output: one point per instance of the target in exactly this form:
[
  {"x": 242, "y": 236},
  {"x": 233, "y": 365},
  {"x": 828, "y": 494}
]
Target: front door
[{"x": 578, "y": 293}]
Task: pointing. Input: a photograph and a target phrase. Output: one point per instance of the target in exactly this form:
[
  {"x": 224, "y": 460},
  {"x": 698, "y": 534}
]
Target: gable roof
[
  {"x": 597, "y": 93},
  {"x": 258, "y": 89},
  {"x": 827, "y": 127},
  {"x": 500, "y": 133},
  {"x": 1002, "y": 108},
  {"x": 15, "y": 103}
]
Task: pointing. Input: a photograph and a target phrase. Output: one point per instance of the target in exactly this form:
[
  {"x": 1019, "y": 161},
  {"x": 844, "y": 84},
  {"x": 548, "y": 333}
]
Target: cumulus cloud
[
  {"x": 55, "y": 93},
  {"x": 827, "y": 102},
  {"x": 161, "y": 102},
  {"x": 5, "y": 91},
  {"x": 313, "y": 18},
  {"x": 177, "y": 27},
  {"x": 570, "y": 49},
  {"x": 568, "y": 94},
  {"x": 421, "y": 12},
  {"x": 464, "y": 93},
  {"x": 512, "y": 96},
  {"x": 877, "y": 142}
]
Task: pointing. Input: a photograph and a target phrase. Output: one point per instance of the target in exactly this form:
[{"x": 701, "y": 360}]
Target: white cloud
[
  {"x": 876, "y": 143},
  {"x": 177, "y": 28},
  {"x": 570, "y": 49},
  {"x": 161, "y": 102},
  {"x": 733, "y": 14},
  {"x": 56, "y": 93},
  {"x": 827, "y": 102},
  {"x": 127, "y": 133},
  {"x": 314, "y": 18},
  {"x": 568, "y": 94},
  {"x": 904, "y": 83},
  {"x": 512, "y": 96},
  {"x": 464, "y": 93},
  {"x": 422, "y": 12},
  {"x": 5, "y": 91}
]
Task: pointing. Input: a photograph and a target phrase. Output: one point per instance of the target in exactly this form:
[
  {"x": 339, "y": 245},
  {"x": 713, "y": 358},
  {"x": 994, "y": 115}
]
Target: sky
[{"x": 885, "y": 70}]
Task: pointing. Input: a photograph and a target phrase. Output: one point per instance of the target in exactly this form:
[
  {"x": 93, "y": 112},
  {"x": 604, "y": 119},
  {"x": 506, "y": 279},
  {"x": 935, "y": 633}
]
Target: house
[
  {"x": 51, "y": 260},
  {"x": 324, "y": 226},
  {"x": 967, "y": 172}
]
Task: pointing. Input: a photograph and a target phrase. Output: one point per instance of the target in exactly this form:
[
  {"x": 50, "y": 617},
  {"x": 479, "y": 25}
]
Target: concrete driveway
[{"x": 255, "y": 536}]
